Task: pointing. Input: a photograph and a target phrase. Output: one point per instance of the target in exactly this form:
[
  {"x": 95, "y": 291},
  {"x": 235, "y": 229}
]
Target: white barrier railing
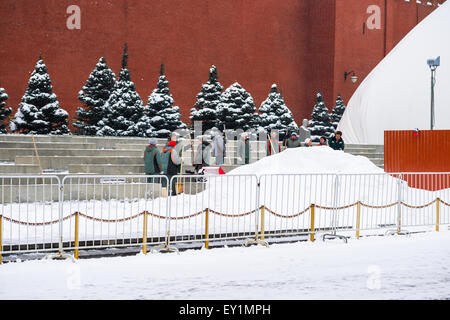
[
  {"x": 44, "y": 213},
  {"x": 225, "y": 209},
  {"x": 29, "y": 214}
]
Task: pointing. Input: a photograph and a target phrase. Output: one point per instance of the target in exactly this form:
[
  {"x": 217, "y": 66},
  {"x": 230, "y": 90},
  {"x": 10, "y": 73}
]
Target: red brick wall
[{"x": 302, "y": 45}]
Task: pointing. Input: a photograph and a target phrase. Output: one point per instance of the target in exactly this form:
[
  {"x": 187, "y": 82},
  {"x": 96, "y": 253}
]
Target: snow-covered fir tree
[
  {"x": 337, "y": 112},
  {"x": 94, "y": 95},
  {"x": 124, "y": 106},
  {"x": 4, "y": 110},
  {"x": 320, "y": 123},
  {"x": 276, "y": 115},
  {"x": 39, "y": 112},
  {"x": 205, "y": 109},
  {"x": 164, "y": 117},
  {"x": 236, "y": 109}
]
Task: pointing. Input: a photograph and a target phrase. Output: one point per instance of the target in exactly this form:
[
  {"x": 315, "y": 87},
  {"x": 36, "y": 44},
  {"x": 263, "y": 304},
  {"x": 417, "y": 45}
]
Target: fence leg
[
  {"x": 206, "y": 228},
  {"x": 60, "y": 254},
  {"x": 437, "y": 214},
  {"x": 144, "y": 234},
  {"x": 1, "y": 247},
  {"x": 76, "y": 236},
  {"x": 313, "y": 206},
  {"x": 262, "y": 223},
  {"x": 358, "y": 219}
]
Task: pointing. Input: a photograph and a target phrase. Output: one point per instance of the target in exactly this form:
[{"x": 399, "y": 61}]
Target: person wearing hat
[
  {"x": 152, "y": 159},
  {"x": 336, "y": 142},
  {"x": 308, "y": 142},
  {"x": 171, "y": 162},
  {"x": 293, "y": 141}
]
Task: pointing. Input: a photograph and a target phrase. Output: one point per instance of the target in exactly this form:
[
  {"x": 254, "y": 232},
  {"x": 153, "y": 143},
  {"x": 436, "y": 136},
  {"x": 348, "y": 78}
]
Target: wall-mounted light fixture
[{"x": 354, "y": 78}]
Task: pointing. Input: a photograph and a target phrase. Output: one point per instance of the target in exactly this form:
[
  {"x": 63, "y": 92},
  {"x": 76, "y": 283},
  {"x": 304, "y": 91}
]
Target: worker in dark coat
[
  {"x": 293, "y": 141},
  {"x": 171, "y": 162},
  {"x": 336, "y": 142},
  {"x": 152, "y": 160}
]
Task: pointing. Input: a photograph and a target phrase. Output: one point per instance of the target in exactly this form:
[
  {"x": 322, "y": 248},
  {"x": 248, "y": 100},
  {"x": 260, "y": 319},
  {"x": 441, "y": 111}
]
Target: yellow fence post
[
  {"x": 358, "y": 219},
  {"x": 262, "y": 223},
  {"x": 144, "y": 234},
  {"x": 437, "y": 214},
  {"x": 76, "y": 235},
  {"x": 313, "y": 206},
  {"x": 1, "y": 248},
  {"x": 206, "y": 228}
]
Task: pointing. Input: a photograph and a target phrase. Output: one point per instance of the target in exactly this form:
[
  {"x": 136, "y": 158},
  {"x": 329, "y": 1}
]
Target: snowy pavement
[{"x": 395, "y": 267}]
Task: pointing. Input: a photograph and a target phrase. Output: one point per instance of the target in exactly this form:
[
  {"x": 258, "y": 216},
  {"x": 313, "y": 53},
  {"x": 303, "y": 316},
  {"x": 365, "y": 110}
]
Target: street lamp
[
  {"x": 353, "y": 77},
  {"x": 433, "y": 64}
]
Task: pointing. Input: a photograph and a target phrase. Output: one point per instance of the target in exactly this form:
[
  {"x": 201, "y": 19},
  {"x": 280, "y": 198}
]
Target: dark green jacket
[
  {"x": 171, "y": 161},
  {"x": 293, "y": 143},
  {"x": 336, "y": 145},
  {"x": 152, "y": 160}
]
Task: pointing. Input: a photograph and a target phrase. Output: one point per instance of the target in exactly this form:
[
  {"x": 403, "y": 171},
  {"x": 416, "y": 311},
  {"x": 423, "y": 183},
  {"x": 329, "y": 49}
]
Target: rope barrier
[
  {"x": 286, "y": 216},
  {"x": 379, "y": 207},
  {"x": 36, "y": 223},
  {"x": 221, "y": 214},
  {"x": 419, "y": 207},
  {"x": 231, "y": 215}
]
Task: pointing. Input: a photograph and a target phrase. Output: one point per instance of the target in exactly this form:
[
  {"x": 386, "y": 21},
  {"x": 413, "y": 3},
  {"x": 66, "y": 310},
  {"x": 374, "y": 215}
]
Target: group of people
[
  {"x": 293, "y": 141},
  {"x": 169, "y": 161}
]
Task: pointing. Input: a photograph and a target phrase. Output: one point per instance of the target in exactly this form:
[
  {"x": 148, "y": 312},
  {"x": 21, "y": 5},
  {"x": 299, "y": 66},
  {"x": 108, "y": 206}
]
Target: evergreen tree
[
  {"x": 205, "y": 109},
  {"x": 39, "y": 111},
  {"x": 320, "y": 123},
  {"x": 236, "y": 109},
  {"x": 337, "y": 113},
  {"x": 124, "y": 106},
  {"x": 164, "y": 117},
  {"x": 275, "y": 115},
  {"x": 4, "y": 111},
  {"x": 94, "y": 95}
]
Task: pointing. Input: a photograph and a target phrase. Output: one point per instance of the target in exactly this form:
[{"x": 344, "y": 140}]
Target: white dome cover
[{"x": 396, "y": 95}]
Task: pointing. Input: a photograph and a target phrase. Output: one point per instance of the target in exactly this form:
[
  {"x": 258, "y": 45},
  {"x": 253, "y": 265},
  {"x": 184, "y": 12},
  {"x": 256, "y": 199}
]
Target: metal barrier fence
[{"x": 47, "y": 214}]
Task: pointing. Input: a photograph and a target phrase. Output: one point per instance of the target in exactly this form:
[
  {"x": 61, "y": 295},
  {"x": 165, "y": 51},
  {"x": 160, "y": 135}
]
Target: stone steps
[
  {"x": 12, "y": 153},
  {"x": 374, "y": 153},
  {"x": 46, "y": 145},
  {"x": 63, "y": 162},
  {"x": 19, "y": 169}
]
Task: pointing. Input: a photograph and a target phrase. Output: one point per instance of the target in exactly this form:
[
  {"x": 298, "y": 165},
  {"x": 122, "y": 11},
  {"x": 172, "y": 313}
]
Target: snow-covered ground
[{"x": 394, "y": 267}]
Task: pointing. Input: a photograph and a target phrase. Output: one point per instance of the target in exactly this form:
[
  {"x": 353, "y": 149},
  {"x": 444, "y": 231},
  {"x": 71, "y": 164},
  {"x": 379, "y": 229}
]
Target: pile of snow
[
  {"x": 309, "y": 160},
  {"x": 396, "y": 94}
]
